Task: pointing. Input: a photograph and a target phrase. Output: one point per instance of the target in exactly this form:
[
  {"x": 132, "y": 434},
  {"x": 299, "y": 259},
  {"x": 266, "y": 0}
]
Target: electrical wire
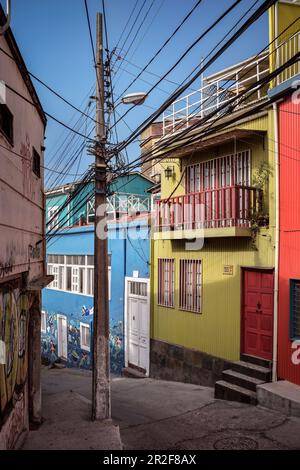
[{"x": 157, "y": 53}]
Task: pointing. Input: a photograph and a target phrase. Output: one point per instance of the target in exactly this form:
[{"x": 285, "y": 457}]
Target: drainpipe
[
  {"x": 276, "y": 155},
  {"x": 276, "y": 279}
]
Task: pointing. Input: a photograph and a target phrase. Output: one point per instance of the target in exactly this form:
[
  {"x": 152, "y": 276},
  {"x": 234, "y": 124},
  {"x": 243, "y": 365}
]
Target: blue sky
[{"x": 53, "y": 38}]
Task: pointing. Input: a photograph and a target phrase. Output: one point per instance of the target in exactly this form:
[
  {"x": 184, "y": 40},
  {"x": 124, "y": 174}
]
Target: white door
[
  {"x": 138, "y": 323},
  {"x": 62, "y": 338}
]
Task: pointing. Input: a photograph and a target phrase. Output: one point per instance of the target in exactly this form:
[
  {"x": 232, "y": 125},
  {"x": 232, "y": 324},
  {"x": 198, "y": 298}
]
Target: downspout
[
  {"x": 276, "y": 273},
  {"x": 276, "y": 155}
]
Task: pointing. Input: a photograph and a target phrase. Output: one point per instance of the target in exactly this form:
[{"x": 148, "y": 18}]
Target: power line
[
  {"x": 176, "y": 94},
  {"x": 163, "y": 46},
  {"x": 254, "y": 17},
  {"x": 46, "y": 113},
  {"x": 29, "y": 160},
  {"x": 215, "y": 129},
  {"x": 137, "y": 32},
  {"x": 133, "y": 25},
  {"x": 166, "y": 143},
  {"x": 127, "y": 23},
  {"x": 48, "y": 87}
]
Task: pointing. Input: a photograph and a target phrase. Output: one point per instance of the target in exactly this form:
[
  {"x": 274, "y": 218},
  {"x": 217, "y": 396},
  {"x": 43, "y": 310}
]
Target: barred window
[
  {"x": 190, "y": 285},
  {"x": 219, "y": 172},
  {"x": 295, "y": 309},
  {"x": 166, "y": 282}
]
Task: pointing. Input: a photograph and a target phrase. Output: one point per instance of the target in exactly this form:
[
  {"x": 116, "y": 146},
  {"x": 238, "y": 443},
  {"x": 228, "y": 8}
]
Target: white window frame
[
  {"x": 43, "y": 321},
  {"x": 83, "y": 346},
  {"x": 52, "y": 211},
  {"x": 88, "y": 273}
]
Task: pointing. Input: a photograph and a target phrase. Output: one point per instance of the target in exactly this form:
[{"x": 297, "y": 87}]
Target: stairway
[
  {"x": 133, "y": 372},
  {"x": 239, "y": 383}
]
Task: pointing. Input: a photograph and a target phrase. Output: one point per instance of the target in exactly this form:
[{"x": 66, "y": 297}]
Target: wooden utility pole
[{"x": 101, "y": 405}]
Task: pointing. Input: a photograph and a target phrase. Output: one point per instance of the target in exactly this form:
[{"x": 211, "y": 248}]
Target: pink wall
[
  {"x": 21, "y": 227},
  {"x": 289, "y": 258}
]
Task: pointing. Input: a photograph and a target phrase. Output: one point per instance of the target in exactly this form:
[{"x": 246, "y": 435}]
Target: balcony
[
  {"x": 223, "y": 212},
  {"x": 121, "y": 204},
  {"x": 217, "y": 90}
]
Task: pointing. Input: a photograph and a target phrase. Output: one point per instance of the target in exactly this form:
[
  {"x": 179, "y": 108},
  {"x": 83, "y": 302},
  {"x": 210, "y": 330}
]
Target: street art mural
[
  {"x": 14, "y": 322},
  {"x": 78, "y": 357}
]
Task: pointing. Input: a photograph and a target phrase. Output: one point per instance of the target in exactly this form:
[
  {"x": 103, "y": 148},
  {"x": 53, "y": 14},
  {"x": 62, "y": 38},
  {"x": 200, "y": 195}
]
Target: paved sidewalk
[
  {"x": 66, "y": 414},
  {"x": 158, "y": 415}
]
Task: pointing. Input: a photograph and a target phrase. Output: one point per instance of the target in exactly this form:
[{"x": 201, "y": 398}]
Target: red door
[{"x": 257, "y": 318}]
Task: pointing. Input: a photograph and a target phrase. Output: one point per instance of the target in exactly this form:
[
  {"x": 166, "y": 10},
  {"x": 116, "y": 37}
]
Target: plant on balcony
[{"x": 260, "y": 217}]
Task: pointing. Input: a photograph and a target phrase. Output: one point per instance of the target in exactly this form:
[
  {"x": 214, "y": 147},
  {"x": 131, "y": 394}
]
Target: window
[
  {"x": 52, "y": 217},
  {"x": 166, "y": 284},
  {"x": 294, "y": 309},
  {"x": 6, "y": 123},
  {"x": 44, "y": 322},
  {"x": 85, "y": 336},
  {"x": 74, "y": 273},
  {"x": 219, "y": 172},
  {"x": 138, "y": 288},
  {"x": 90, "y": 281},
  {"x": 190, "y": 285},
  {"x": 91, "y": 211},
  {"x": 36, "y": 163}
]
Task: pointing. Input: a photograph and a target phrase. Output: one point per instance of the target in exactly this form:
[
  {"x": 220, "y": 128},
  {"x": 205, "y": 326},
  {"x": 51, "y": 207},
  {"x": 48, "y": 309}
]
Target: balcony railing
[
  {"x": 231, "y": 206},
  {"x": 122, "y": 203},
  {"x": 285, "y": 51},
  {"x": 216, "y": 91}
]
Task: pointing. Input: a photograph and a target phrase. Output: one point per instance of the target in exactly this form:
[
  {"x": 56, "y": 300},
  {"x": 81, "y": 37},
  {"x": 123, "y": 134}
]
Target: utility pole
[{"x": 101, "y": 402}]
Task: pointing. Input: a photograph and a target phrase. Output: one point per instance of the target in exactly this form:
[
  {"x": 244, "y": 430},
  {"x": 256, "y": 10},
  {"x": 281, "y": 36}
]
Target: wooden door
[{"x": 257, "y": 314}]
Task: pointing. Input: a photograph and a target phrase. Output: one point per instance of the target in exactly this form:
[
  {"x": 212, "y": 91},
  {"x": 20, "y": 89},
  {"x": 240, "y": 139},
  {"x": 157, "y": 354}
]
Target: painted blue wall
[{"x": 129, "y": 247}]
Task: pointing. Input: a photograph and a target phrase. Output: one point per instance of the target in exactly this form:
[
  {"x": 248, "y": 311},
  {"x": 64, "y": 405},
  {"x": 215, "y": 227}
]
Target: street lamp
[{"x": 134, "y": 98}]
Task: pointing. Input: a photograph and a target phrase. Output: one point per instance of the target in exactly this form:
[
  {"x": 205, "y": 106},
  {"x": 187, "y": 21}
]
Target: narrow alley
[{"x": 154, "y": 414}]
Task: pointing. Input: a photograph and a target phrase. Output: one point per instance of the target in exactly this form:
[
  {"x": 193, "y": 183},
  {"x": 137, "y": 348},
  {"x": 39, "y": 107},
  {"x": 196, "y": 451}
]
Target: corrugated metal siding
[
  {"x": 289, "y": 119},
  {"x": 216, "y": 330}
]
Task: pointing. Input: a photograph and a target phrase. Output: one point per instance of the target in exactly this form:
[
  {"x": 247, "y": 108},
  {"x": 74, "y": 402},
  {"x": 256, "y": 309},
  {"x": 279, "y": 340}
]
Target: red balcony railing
[{"x": 231, "y": 206}]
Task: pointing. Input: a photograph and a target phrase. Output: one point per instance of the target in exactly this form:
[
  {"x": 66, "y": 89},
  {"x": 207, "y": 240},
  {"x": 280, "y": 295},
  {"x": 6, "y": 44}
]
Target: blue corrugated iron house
[{"x": 67, "y": 317}]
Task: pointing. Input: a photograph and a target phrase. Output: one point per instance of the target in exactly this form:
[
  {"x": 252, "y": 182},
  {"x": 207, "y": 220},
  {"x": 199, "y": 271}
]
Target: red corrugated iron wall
[{"x": 289, "y": 258}]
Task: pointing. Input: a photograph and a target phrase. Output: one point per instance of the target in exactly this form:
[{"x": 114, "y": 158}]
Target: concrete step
[
  {"x": 232, "y": 392},
  {"x": 132, "y": 373},
  {"x": 252, "y": 370},
  {"x": 242, "y": 380},
  {"x": 256, "y": 360}
]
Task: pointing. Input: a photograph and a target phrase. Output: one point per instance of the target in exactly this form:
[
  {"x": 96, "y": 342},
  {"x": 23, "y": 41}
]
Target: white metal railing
[
  {"x": 215, "y": 93},
  {"x": 285, "y": 51},
  {"x": 122, "y": 203}
]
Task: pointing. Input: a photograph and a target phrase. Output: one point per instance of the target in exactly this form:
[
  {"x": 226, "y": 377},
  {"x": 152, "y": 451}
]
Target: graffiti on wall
[
  {"x": 116, "y": 347},
  {"x": 14, "y": 322},
  {"x": 78, "y": 357}
]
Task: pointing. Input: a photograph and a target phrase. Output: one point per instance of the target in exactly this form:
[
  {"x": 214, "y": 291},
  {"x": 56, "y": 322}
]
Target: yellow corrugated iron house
[{"x": 212, "y": 305}]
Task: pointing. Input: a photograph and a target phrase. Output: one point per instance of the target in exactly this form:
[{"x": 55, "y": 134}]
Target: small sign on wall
[{"x": 228, "y": 269}]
